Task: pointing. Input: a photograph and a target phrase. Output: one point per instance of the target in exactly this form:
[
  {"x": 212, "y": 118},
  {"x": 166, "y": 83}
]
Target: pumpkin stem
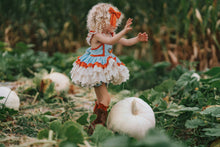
[{"x": 134, "y": 109}]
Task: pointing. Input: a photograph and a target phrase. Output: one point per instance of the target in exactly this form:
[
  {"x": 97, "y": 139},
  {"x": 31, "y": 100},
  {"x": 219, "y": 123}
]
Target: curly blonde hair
[{"x": 98, "y": 17}]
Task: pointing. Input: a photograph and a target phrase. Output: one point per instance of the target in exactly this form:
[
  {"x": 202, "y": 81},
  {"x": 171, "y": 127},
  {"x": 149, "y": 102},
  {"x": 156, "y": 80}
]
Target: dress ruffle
[{"x": 89, "y": 75}]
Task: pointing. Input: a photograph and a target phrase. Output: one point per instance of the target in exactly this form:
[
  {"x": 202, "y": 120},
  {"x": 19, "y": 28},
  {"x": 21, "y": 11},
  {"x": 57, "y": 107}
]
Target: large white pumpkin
[
  {"x": 131, "y": 116},
  {"x": 61, "y": 81},
  {"x": 11, "y": 99}
]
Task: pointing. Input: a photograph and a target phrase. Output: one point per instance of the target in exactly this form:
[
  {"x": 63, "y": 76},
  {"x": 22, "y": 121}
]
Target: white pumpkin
[
  {"x": 131, "y": 116},
  {"x": 61, "y": 81},
  {"x": 11, "y": 100},
  {"x": 195, "y": 75}
]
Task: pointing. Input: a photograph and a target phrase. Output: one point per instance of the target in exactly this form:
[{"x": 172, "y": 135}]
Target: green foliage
[
  {"x": 74, "y": 134},
  {"x": 122, "y": 141},
  {"x": 56, "y": 126},
  {"x": 67, "y": 144},
  {"x": 100, "y": 134},
  {"x": 214, "y": 77},
  {"x": 187, "y": 102},
  {"x": 161, "y": 11},
  {"x": 29, "y": 125},
  {"x": 50, "y": 91},
  {"x": 166, "y": 85},
  {"x": 22, "y": 61},
  {"x": 50, "y": 17},
  {"x": 70, "y": 132},
  {"x": 83, "y": 119},
  {"x": 185, "y": 108},
  {"x": 92, "y": 117},
  {"x": 213, "y": 72},
  {"x": 212, "y": 131},
  {"x": 195, "y": 123},
  {"x": 153, "y": 138},
  {"x": 175, "y": 110},
  {"x": 43, "y": 134},
  {"x": 57, "y": 26},
  {"x": 213, "y": 111},
  {"x": 144, "y": 75},
  {"x": 6, "y": 113}
]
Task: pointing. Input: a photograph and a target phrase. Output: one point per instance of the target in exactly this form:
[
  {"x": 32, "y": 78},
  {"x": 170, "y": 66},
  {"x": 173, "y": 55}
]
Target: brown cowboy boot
[{"x": 101, "y": 111}]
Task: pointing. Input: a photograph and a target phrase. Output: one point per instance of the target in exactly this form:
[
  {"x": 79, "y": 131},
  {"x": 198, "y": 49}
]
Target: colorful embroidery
[
  {"x": 97, "y": 47},
  {"x": 85, "y": 65},
  {"x": 103, "y": 51}
]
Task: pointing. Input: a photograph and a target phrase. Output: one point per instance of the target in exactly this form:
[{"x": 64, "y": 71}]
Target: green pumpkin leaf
[
  {"x": 122, "y": 141},
  {"x": 101, "y": 133},
  {"x": 195, "y": 123},
  {"x": 67, "y": 144},
  {"x": 43, "y": 134},
  {"x": 92, "y": 117},
  {"x": 83, "y": 119},
  {"x": 216, "y": 83},
  {"x": 55, "y": 126},
  {"x": 176, "y": 110},
  {"x": 165, "y": 86},
  {"x": 213, "y": 111},
  {"x": 64, "y": 128},
  {"x": 157, "y": 138},
  {"x": 183, "y": 81},
  {"x": 74, "y": 134},
  {"x": 212, "y": 131},
  {"x": 213, "y": 72}
]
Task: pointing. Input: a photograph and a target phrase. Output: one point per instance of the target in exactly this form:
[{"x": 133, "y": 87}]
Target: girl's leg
[
  {"x": 102, "y": 95},
  {"x": 101, "y": 106}
]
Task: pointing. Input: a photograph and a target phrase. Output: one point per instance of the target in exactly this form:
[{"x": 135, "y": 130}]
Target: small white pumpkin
[
  {"x": 61, "y": 81},
  {"x": 195, "y": 75},
  {"x": 131, "y": 116},
  {"x": 11, "y": 100}
]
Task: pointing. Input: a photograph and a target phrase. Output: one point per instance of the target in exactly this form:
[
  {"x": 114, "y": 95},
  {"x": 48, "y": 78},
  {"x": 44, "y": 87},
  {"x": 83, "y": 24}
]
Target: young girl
[{"x": 99, "y": 66}]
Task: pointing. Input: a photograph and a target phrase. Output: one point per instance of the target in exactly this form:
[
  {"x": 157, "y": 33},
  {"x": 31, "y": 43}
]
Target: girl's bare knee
[{"x": 103, "y": 95}]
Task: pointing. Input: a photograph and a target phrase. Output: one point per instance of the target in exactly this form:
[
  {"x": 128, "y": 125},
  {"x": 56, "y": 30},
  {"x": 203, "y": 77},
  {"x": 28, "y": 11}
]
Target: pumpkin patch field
[
  {"x": 41, "y": 107},
  {"x": 172, "y": 96}
]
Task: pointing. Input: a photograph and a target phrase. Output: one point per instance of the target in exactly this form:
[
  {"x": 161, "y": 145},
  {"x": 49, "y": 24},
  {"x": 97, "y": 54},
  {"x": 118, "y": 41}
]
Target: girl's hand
[
  {"x": 128, "y": 27},
  {"x": 143, "y": 37}
]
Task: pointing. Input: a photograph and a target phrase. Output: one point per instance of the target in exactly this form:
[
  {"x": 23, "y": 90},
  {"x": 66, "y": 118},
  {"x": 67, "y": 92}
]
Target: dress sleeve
[{"x": 89, "y": 36}]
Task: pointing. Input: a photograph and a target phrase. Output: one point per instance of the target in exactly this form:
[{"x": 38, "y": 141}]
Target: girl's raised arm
[
  {"x": 112, "y": 40},
  {"x": 143, "y": 37}
]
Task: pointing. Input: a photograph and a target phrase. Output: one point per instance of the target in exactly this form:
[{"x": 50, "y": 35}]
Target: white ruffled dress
[{"x": 98, "y": 65}]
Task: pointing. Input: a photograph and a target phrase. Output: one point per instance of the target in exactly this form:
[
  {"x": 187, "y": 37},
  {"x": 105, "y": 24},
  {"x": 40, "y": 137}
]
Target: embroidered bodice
[{"x": 100, "y": 51}]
